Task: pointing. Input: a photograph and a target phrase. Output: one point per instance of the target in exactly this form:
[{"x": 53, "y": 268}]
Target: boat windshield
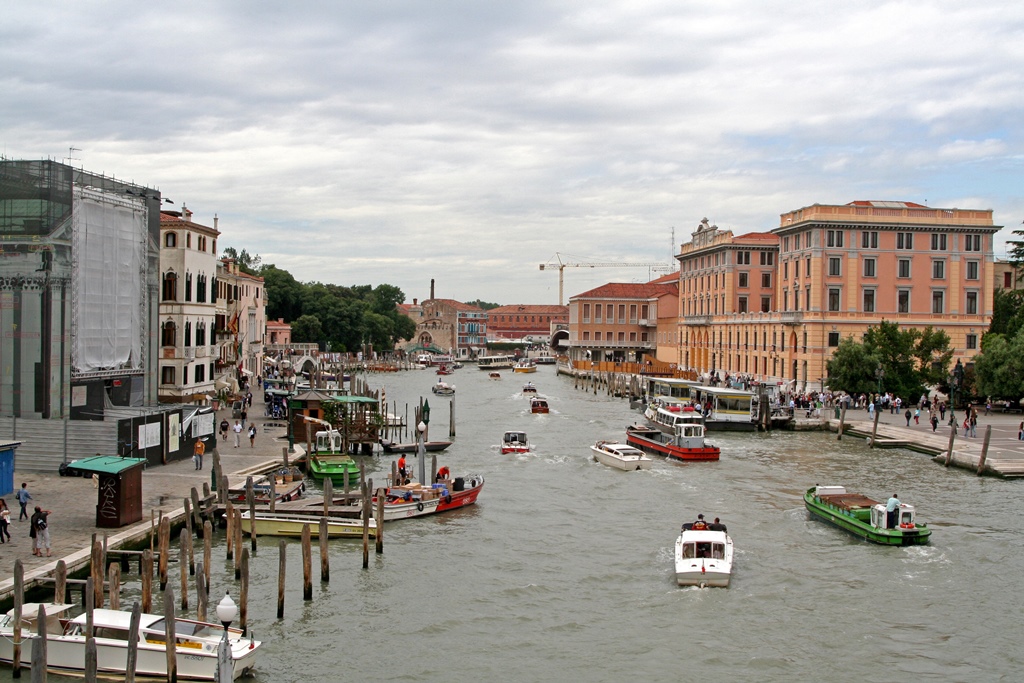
[
  {"x": 183, "y": 629},
  {"x": 714, "y": 551}
]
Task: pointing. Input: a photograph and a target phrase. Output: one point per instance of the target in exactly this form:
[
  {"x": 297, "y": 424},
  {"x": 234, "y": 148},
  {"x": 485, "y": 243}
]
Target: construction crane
[{"x": 561, "y": 265}]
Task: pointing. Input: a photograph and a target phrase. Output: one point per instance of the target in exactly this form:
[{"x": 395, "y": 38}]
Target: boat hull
[
  {"x": 703, "y": 571},
  {"x": 656, "y": 441},
  {"x": 416, "y": 508},
  {"x": 273, "y": 524},
  {"x": 335, "y": 468},
  {"x": 843, "y": 519},
  {"x": 65, "y": 654},
  {"x": 619, "y": 463}
]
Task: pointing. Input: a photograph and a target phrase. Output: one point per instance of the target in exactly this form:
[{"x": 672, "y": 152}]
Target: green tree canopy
[
  {"x": 247, "y": 263},
  {"x": 999, "y": 368},
  {"x": 306, "y": 329}
]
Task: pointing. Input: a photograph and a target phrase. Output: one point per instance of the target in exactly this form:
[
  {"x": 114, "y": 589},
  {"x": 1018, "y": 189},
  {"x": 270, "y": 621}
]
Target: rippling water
[{"x": 563, "y": 570}]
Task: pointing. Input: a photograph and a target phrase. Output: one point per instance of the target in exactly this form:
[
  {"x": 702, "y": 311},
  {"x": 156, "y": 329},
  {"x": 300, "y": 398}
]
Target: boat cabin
[
  {"x": 329, "y": 442},
  {"x": 905, "y": 518},
  {"x": 704, "y": 548},
  {"x": 515, "y": 438}
]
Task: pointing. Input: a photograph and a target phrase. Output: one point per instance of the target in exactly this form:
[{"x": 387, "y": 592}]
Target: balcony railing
[
  {"x": 609, "y": 344},
  {"x": 697, "y": 320},
  {"x": 791, "y": 317}
]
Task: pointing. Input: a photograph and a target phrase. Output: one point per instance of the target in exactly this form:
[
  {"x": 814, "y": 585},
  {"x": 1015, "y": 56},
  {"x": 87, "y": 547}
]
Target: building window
[
  {"x": 834, "y": 238},
  {"x": 939, "y": 269},
  {"x": 834, "y": 297},
  {"x": 972, "y": 341},
  {"x": 903, "y": 301},
  {"x": 188, "y": 244},
  {"x": 807, "y": 267},
  {"x": 834, "y": 266},
  {"x": 632, "y": 314},
  {"x": 869, "y": 301},
  {"x": 743, "y": 280},
  {"x": 938, "y": 301},
  {"x": 586, "y": 313},
  {"x": 167, "y": 374},
  {"x": 833, "y": 339},
  {"x": 200, "y": 334},
  {"x": 743, "y": 304},
  {"x": 201, "y": 289},
  {"x": 785, "y": 270},
  {"x": 785, "y": 300},
  {"x": 632, "y": 336},
  {"x": 767, "y": 258},
  {"x": 938, "y": 241},
  {"x": 170, "y": 287},
  {"x": 184, "y": 375},
  {"x": 188, "y": 286},
  {"x": 622, "y": 336},
  {"x": 903, "y": 267},
  {"x": 904, "y": 240},
  {"x": 188, "y": 333},
  {"x": 869, "y": 239},
  {"x": 971, "y": 303},
  {"x": 610, "y": 313},
  {"x": 869, "y": 267},
  {"x": 200, "y": 373},
  {"x": 1007, "y": 280},
  {"x": 807, "y": 299},
  {"x": 622, "y": 314},
  {"x": 586, "y": 335},
  {"x": 972, "y": 242},
  {"x": 597, "y": 335},
  {"x": 168, "y": 334},
  {"x": 766, "y": 304},
  {"x": 785, "y": 244},
  {"x": 972, "y": 270},
  {"x": 171, "y": 239},
  {"x": 743, "y": 258}
]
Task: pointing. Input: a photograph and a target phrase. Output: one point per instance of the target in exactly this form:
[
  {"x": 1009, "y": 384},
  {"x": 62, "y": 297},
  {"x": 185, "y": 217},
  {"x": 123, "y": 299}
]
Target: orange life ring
[{"x": 905, "y": 525}]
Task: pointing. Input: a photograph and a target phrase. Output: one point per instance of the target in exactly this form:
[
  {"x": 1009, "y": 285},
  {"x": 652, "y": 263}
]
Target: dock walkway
[
  {"x": 1005, "y": 456},
  {"x": 72, "y": 501}
]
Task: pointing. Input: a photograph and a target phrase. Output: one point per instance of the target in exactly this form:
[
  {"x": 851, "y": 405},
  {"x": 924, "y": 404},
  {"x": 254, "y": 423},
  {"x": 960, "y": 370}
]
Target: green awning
[
  {"x": 106, "y": 464},
  {"x": 354, "y": 399}
]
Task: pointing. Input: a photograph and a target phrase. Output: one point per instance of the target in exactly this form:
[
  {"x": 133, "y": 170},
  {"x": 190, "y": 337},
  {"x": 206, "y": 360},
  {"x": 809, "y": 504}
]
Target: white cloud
[{"x": 362, "y": 143}]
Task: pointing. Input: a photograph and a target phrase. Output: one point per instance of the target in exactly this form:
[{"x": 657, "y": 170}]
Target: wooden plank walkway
[{"x": 1002, "y": 460}]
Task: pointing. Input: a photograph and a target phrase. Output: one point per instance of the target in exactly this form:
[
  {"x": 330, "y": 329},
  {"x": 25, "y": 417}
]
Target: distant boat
[
  {"x": 392, "y": 447},
  {"x": 546, "y": 360},
  {"x": 494, "y": 375},
  {"x": 525, "y": 365},
  {"x": 529, "y": 388},
  {"x": 539, "y": 404},
  {"x": 443, "y": 389}
]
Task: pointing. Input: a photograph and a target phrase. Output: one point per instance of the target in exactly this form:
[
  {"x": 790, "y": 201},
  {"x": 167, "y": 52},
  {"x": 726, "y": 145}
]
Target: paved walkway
[{"x": 72, "y": 500}]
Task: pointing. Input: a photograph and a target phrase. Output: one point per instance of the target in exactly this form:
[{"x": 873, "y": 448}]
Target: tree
[
  {"x": 1016, "y": 252},
  {"x": 933, "y": 356},
  {"x": 247, "y": 263},
  {"x": 283, "y": 293},
  {"x": 482, "y": 304},
  {"x": 307, "y": 330},
  {"x": 852, "y": 368},
  {"x": 999, "y": 368},
  {"x": 1007, "y": 312},
  {"x": 895, "y": 349}
]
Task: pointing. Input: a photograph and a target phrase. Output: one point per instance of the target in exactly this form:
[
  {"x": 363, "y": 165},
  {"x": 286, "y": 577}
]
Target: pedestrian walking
[
  {"x": 197, "y": 454},
  {"x": 908, "y": 416},
  {"x": 224, "y": 427},
  {"x": 23, "y": 497},
  {"x": 917, "y": 416},
  {"x": 252, "y": 435},
  {"x": 942, "y": 411},
  {"x": 238, "y": 433},
  {"x": 967, "y": 426},
  {"x": 974, "y": 423},
  {"x": 1020, "y": 431},
  {"x": 935, "y": 422},
  {"x": 40, "y": 531},
  {"x": 5, "y": 521}
]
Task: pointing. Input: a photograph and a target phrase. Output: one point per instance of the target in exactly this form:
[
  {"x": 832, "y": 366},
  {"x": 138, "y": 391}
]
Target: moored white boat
[
  {"x": 197, "y": 643},
  {"x": 703, "y": 555},
  {"x": 620, "y": 456}
]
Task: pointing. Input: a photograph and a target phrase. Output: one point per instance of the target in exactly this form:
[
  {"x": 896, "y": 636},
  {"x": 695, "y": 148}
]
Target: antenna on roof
[{"x": 71, "y": 153}]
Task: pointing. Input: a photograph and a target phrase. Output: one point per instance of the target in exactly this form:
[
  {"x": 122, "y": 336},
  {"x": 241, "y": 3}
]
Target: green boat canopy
[{"x": 106, "y": 464}]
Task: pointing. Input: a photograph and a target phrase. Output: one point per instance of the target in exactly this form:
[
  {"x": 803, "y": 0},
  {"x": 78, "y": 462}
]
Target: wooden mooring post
[
  {"x": 147, "y": 581},
  {"x": 183, "y": 540},
  {"x": 282, "y": 565},
  {"x": 984, "y": 449},
  {"x": 949, "y": 446},
  {"x": 243, "y": 592},
  {"x": 379, "y": 521},
  {"x": 842, "y": 421},
  {"x": 19, "y": 597},
  {"x": 325, "y": 558},
  {"x": 114, "y": 579},
  {"x": 169, "y": 624},
  {"x": 307, "y": 563},
  {"x": 874, "y": 428}
]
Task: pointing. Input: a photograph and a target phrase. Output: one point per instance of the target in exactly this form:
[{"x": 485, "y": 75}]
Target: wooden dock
[{"x": 978, "y": 454}]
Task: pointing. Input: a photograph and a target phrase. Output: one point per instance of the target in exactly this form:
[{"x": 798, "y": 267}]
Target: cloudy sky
[{"x": 468, "y": 142}]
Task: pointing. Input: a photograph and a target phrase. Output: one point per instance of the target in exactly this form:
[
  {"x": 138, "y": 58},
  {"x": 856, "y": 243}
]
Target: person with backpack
[{"x": 252, "y": 435}]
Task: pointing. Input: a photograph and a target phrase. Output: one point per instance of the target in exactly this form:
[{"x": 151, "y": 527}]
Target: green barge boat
[{"x": 865, "y": 517}]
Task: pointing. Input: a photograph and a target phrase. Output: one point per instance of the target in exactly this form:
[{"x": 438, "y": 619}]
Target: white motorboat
[
  {"x": 703, "y": 555},
  {"x": 443, "y": 389},
  {"x": 197, "y": 643},
  {"x": 620, "y": 456},
  {"x": 515, "y": 442}
]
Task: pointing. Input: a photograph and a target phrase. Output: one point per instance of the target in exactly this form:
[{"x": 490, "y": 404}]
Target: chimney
[
  {"x": 215, "y": 221},
  {"x": 431, "y": 288},
  {"x": 414, "y": 303}
]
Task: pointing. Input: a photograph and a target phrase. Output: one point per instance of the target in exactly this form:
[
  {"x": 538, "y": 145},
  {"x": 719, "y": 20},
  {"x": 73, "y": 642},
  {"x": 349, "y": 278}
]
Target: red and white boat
[
  {"x": 686, "y": 444},
  {"x": 539, "y": 405},
  {"x": 417, "y": 500},
  {"x": 515, "y": 442}
]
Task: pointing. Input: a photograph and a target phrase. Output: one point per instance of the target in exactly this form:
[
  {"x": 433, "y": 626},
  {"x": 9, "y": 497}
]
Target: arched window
[
  {"x": 168, "y": 333},
  {"x": 188, "y": 334},
  {"x": 188, "y": 286},
  {"x": 171, "y": 239},
  {"x": 200, "y": 334},
  {"x": 188, "y": 240},
  {"x": 170, "y": 286},
  {"x": 201, "y": 289}
]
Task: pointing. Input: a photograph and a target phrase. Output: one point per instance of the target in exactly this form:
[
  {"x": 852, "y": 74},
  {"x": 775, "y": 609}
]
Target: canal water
[{"x": 563, "y": 570}]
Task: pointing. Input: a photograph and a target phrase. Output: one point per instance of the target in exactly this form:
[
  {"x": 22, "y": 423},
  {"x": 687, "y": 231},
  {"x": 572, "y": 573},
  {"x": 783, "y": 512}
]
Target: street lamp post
[
  {"x": 421, "y": 453},
  {"x": 879, "y": 373},
  {"x": 226, "y": 612}
]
